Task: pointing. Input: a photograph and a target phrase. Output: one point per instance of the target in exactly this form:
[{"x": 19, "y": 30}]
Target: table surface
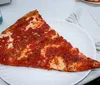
[{"x": 56, "y": 10}]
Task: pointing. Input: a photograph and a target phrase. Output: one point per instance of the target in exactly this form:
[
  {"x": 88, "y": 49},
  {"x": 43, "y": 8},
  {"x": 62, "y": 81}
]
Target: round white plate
[{"x": 33, "y": 76}]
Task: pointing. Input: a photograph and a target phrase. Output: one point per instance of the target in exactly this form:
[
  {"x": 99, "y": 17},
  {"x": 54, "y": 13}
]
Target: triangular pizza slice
[
  {"x": 31, "y": 42},
  {"x": 93, "y": 0}
]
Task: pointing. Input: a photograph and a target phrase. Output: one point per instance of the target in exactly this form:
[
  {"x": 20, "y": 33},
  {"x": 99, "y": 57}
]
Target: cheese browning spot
[{"x": 57, "y": 63}]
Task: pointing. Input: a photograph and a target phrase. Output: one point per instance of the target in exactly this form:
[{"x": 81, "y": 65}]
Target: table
[{"x": 54, "y": 9}]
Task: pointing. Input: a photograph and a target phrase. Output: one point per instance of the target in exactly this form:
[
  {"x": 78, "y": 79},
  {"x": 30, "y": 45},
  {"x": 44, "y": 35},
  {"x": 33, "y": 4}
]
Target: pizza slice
[
  {"x": 93, "y": 0},
  {"x": 31, "y": 42}
]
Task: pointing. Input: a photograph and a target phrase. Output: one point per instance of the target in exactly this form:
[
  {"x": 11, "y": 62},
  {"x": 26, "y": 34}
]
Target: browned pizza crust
[{"x": 31, "y": 42}]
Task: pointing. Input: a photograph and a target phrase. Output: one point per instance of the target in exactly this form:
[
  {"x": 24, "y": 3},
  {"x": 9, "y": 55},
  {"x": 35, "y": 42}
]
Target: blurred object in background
[
  {"x": 94, "y": 82},
  {"x": 93, "y": 0},
  {"x": 2, "y": 2},
  {"x": 1, "y": 19}
]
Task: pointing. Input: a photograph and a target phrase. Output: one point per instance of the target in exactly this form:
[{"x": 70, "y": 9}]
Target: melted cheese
[
  {"x": 34, "y": 23},
  {"x": 5, "y": 35},
  {"x": 71, "y": 67},
  {"x": 10, "y": 59},
  {"x": 31, "y": 25},
  {"x": 36, "y": 34},
  {"x": 54, "y": 36},
  {"x": 10, "y": 45},
  {"x": 10, "y": 40},
  {"x": 50, "y": 29},
  {"x": 57, "y": 63},
  {"x": 43, "y": 50},
  {"x": 23, "y": 53},
  {"x": 34, "y": 18}
]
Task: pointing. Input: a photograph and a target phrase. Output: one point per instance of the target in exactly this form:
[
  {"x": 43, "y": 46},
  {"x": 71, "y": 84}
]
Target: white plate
[{"x": 32, "y": 76}]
